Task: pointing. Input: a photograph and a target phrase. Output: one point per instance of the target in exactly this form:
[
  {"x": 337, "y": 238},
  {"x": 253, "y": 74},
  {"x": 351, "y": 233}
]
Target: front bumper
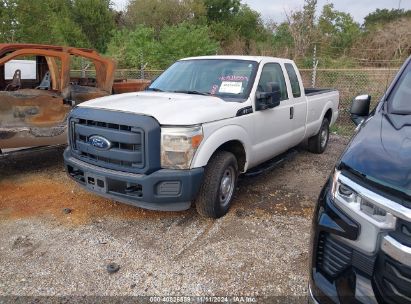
[
  {"x": 340, "y": 273},
  {"x": 165, "y": 190},
  {"x": 335, "y": 268}
]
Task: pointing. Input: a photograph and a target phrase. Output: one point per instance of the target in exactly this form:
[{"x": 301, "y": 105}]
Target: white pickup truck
[{"x": 198, "y": 126}]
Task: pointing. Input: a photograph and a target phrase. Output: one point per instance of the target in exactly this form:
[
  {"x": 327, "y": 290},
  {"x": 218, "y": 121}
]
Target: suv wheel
[{"x": 217, "y": 190}]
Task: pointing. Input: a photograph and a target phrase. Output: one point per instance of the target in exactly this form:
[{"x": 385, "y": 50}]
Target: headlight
[
  {"x": 178, "y": 146},
  {"x": 346, "y": 192}
]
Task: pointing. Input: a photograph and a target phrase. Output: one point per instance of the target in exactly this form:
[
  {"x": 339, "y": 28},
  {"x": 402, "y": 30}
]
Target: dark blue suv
[{"x": 361, "y": 235}]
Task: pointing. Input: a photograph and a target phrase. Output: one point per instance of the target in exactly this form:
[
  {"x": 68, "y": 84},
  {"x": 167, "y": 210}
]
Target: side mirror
[
  {"x": 268, "y": 100},
  {"x": 360, "y": 108}
]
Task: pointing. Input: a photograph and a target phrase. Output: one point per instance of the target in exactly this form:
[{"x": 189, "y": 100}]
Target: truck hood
[
  {"x": 169, "y": 108},
  {"x": 381, "y": 151}
]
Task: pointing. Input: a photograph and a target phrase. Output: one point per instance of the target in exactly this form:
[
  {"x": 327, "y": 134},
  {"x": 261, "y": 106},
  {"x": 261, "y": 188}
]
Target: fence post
[
  {"x": 83, "y": 70},
  {"x": 315, "y": 63}
]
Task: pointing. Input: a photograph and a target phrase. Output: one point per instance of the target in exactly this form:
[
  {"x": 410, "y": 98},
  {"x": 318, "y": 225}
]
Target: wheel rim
[
  {"x": 226, "y": 186},
  {"x": 324, "y": 137}
]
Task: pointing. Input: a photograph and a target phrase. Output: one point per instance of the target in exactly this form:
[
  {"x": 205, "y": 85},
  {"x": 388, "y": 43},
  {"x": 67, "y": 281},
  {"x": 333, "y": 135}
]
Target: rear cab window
[{"x": 292, "y": 75}]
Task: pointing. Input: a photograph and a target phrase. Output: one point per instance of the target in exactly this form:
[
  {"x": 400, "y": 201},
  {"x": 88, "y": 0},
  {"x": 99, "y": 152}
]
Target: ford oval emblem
[{"x": 99, "y": 142}]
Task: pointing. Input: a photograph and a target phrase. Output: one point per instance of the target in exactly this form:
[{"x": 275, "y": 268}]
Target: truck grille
[
  {"x": 127, "y": 144},
  {"x": 393, "y": 280}
]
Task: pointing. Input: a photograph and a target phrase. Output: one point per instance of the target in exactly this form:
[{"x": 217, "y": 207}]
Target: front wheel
[
  {"x": 318, "y": 143},
  {"x": 220, "y": 180}
]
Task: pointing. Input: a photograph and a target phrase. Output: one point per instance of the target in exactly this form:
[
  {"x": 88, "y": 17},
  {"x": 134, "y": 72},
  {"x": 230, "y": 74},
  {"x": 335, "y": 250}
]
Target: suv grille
[
  {"x": 403, "y": 232},
  {"x": 127, "y": 144},
  {"x": 393, "y": 280},
  {"x": 333, "y": 257}
]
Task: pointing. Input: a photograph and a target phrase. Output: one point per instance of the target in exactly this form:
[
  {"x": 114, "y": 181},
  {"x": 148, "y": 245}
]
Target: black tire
[
  {"x": 214, "y": 198},
  {"x": 318, "y": 143}
]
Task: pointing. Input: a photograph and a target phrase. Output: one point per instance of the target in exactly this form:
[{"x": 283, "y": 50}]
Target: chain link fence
[{"x": 349, "y": 82}]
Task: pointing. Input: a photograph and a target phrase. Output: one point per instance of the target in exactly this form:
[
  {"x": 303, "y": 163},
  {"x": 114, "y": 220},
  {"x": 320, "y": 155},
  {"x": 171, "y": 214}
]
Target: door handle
[{"x": 291, "y": 112}]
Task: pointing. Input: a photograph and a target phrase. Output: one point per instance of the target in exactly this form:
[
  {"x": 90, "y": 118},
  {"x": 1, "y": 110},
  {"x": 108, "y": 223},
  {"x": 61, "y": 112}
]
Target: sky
[{"x": 275, "y": 9}]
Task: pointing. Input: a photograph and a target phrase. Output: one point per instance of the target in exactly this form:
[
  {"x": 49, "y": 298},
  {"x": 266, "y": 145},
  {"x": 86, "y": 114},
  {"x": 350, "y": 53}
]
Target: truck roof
[
  {"x": 10, "y": 47},
  {"x": 240, "y": 57}
]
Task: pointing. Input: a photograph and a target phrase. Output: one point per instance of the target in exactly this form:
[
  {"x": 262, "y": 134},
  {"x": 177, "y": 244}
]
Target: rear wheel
[
  {"x": 217, "y": 190},
  {"x": 318, "y": 143}
]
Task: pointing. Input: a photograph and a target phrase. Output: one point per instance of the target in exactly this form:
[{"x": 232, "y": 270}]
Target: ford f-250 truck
[
  {"x": 198, "y": 125},
  {"x": 361, "y": 236}
]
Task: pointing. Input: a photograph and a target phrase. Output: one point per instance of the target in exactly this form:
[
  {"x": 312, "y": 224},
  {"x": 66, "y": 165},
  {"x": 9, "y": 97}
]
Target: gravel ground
[{"x": 259, "y": 249}]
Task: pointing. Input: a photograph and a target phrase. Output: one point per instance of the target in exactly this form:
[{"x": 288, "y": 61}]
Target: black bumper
[
  {"x": 340, "y": 273},
  {"x": 165, "y": 190},
  {"x": 332, "y": 274}
]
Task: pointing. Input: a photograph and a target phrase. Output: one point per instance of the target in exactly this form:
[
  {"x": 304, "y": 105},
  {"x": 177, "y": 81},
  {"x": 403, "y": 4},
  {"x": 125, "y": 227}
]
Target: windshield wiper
[
  {"x": 192, "y": 92},
  {"x": 154, "y": 89}
]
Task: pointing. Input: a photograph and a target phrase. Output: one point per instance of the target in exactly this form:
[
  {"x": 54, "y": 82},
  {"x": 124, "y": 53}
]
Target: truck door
[
  {"x": 298, "y": 110},
  {"x": 273, "y": 127},
  {"x": 32, "y": 111}
]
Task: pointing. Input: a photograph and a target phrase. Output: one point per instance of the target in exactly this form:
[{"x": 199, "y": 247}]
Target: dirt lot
[{"x": 260, "y": 248}]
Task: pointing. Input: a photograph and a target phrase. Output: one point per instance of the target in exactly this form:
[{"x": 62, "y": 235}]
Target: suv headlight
[
  {"x": 345, "y": 195},
  {"x": 178, "y": 146}
]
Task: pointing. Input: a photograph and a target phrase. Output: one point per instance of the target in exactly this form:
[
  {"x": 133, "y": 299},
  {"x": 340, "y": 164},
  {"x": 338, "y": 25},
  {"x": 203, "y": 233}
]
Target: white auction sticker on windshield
[{"x": 232, "y": 87}]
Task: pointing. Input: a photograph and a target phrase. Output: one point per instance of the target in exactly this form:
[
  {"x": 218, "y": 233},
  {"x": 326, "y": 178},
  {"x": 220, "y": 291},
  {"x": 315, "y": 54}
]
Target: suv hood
[
  {"x": 169, "y": 108},
  {"x": 381, "y": 150}
]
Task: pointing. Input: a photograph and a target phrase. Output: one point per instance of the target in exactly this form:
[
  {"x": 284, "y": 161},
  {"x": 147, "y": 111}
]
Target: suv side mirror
[
  {"x": 360, "y": 108},
  {"x": 268, "y": 100}
]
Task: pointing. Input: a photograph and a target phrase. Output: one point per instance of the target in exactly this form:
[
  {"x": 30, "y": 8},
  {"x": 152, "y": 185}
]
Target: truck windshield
[
  {"x": 400, "y": 97},
  {"x": 228, "y": 79}
]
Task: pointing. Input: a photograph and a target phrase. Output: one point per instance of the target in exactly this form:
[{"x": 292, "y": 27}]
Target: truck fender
[
  {"x": 329, "y": 106},
  {"x": 216, "y": 140}
]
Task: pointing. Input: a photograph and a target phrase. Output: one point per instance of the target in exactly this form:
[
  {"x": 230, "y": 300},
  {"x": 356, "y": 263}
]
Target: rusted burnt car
[{"x": 34, "y": 107}]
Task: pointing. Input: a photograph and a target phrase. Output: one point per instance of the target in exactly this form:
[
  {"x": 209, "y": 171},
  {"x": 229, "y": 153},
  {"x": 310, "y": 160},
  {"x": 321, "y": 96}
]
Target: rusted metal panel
[
  {"x": 30, "y": 107},
  {"x": 105, "y": 67},
  {"x": 28, "y": 116},
  {"x": 34, "y": 117},
  {"x": 130, "y": 86}
]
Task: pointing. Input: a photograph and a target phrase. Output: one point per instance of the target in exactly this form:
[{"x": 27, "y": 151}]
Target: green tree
[
  {"x": 160, "y": 13},
  {"x": 221, "y": 10},
  {"x": 337, "y": 29},
  {"x": 239, "y": 29},
  {"x": 383, "y": 16},
  {"x": 96, "y": 20},
  {"x": 282, "y": 40},
  {"x": 134, "y": 48},
  {"x": 7, "y": 20},
  {"x": 32, "y": 22},
  {"x": 82, "y": 23},
  {"x": 302, "y": 28},
  {"x": 185, "y": 40},
  {"x": 249, "y": 26}
]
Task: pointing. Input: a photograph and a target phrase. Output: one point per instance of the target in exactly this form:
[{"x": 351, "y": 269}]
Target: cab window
[
  {"x": 271, "y": 75},
  {"x": 295, "y": 84}
]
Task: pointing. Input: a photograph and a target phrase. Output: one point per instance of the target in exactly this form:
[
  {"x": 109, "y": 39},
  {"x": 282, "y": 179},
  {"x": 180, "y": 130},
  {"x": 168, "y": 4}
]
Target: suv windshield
[
  {"x": 225, "y": 78},
  {"x": 400, "y": 97}
]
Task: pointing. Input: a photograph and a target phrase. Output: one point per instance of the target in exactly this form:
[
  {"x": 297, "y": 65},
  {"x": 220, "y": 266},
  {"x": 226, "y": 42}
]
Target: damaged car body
[{"x": 34, "y": 107}]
